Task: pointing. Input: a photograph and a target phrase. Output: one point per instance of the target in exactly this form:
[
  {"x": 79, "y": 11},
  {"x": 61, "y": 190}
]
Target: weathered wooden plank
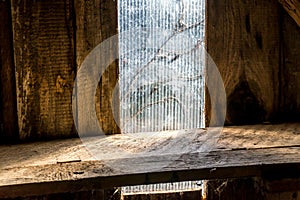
[
  {"x": 60, "y": 166},
  {"x": 244, "y": 137},
  {"x": 293, "y": 8},
  {"x": 44, "y": 55},
  {"x": 290, "y": 95},
  {"x": 48, "y": 179},
  {"x": 8, "y": 104},
  {"x": 96, "y": 20},
  {"x": 242, "y": 39}
]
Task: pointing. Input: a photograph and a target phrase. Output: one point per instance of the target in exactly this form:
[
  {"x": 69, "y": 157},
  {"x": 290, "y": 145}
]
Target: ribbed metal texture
[
  {"x": 163, "y": 187},
  {"x": 161, "y": 68}
]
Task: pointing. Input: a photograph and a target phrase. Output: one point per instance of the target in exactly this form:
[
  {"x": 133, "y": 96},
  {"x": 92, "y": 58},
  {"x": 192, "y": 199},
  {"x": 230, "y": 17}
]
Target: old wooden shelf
[{"x": 269, "y": 151}]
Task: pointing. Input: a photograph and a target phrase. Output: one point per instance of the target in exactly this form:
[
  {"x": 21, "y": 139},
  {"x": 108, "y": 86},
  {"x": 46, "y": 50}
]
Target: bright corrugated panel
[{"x": 161, "y": 73}]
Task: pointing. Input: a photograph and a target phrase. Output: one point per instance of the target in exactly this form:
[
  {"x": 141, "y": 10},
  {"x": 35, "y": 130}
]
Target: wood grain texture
[
  {"x": 60, "y": 166},
  {"x": 290, "y": 103},
  {"x": 293, "y": 8},
  {"x": 242, "y": 39},
  {"x": 44, "y": 47},
  {"x": 8, "y": 104},
  {"x": 96, "y": 20}
]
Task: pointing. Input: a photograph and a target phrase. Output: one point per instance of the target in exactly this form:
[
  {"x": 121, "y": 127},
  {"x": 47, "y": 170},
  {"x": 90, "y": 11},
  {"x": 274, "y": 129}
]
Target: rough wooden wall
[
  {"x": 45, "y": 68},
  {"x": 8, "y": 104},
  {"x": 243, "y": 39},
  {"x": 96, "y": 20},
  {"x": 48, "y": 51},
  {"x": 255, "y": 44},
  {"x": 290, "y": 69}
]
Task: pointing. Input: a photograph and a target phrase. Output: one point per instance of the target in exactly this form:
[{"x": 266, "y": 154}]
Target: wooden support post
[
  {"x": 8, "y": 104},
  {"x": 96, "y": 20},
  {"x": 44, "y": 54}
]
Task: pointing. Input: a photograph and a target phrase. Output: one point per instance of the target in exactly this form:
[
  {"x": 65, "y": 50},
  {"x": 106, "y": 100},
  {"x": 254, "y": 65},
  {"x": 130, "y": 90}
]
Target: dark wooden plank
[
  {"x": 293, "y": 8},
  {"x": 290, "y": 103},
  {"x": 8, "y": 104},
  {"x": 60, "y": 166},
  {"x": 283, "y": 185},
  {"x": 45, "y": 68},
  {"x": 83, "y": 195},
  {"x": 235, "y": 189},
  {"x": 283, "y": 196},
  {"x": 96, "y": 20},
  {"x": 184, "y": 195},
  {"x": 254, "y": 188},
  {"x": 242, "y": 38}
]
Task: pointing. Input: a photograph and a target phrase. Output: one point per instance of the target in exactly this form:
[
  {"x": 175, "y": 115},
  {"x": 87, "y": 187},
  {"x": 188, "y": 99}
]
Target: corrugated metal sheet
[
  {"x": 161, "y": 69},
  {"x": 163, "y": 187}
]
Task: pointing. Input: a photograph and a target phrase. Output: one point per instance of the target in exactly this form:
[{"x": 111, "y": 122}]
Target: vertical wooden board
[
  {"x": 242, "y": 39},
  {"x": 44, "y": 59},
  {"x": 96, "y": 20},
  {"x": 290, "y": 69},
  {"x": 8, "y": 104}
]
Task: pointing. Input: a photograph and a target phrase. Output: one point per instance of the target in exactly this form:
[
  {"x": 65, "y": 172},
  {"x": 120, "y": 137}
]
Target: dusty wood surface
[
  {"x": 96, "y": 20},
  {"x": 8, "y": 104},
  {"x": 60, "y": 166},
  {"x": 290, "y": 69},
  {"x": 242, "y": 39},
  {"x": 293, "y": 8},
  {"x": 44, "y": 55}
]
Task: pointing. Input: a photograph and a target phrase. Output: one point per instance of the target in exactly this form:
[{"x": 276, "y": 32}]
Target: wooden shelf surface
[{"x": 269, "y": 151}]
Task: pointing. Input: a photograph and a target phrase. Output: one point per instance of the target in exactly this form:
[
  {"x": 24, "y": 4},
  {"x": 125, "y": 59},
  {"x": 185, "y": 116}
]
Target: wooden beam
[
  {"x": 293, "y": 8},
  {"x": 96, "y": 21},
  {"x": 268, "y": 151}
]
